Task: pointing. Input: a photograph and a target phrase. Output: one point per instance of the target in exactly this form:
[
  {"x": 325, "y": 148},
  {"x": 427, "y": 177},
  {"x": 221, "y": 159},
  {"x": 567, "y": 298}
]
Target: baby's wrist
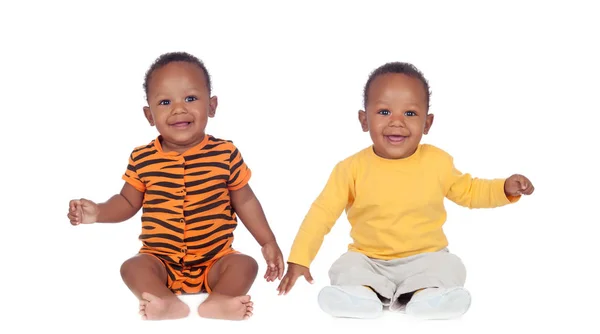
[{"x": 270, "y": 241}]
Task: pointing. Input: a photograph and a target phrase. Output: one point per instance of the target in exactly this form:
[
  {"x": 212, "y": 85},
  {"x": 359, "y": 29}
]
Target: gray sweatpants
[{"x": 393, "y": 278}]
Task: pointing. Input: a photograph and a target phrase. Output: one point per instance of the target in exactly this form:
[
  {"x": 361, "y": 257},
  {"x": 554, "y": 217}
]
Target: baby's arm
[
  {"x": 317, "y": 223},
  {"x": 116, "y": 209},
  {"x": 248, "y": 208},
  {"x": 477, "y": 193},
  {"x": 121, "y": 206}
]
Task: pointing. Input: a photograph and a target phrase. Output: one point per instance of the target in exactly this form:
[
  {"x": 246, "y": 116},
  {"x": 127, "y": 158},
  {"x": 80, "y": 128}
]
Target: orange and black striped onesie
[{"x": 187, "y": 218}]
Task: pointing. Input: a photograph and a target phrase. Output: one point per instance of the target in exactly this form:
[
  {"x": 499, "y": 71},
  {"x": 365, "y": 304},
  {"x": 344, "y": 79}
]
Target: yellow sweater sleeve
[
  {"x": 323, "y": 214},
  {"x": 473, "y": 192}
]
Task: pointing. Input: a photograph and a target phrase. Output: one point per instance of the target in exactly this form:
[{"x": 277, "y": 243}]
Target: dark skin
[
  {"x": 396, "y": 118},
  {"x": 179, "y": 106}
]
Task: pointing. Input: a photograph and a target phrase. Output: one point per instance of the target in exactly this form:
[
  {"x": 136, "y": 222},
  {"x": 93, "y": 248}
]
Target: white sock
[
  {"x": 350, "y": 301},
  {"x": 439, "y": 303}
]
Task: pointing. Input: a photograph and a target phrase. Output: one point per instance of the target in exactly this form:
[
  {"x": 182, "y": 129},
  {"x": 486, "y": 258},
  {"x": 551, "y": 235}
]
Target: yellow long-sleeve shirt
[{"x": 395, "y": 207}]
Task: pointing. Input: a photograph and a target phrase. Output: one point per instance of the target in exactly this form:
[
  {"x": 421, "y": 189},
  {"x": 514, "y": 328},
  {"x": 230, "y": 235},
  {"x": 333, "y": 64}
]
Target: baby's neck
[{"x": 179, "y": 148}]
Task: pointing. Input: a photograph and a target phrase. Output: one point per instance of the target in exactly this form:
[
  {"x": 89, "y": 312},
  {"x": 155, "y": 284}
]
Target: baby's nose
[{"x": 397, "y": 121}]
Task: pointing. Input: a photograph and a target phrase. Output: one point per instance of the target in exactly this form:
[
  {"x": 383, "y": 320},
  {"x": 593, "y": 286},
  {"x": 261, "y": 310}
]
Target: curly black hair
[
  {"x": 398, "y": 68},
  {"x": 170, "y": 57}
]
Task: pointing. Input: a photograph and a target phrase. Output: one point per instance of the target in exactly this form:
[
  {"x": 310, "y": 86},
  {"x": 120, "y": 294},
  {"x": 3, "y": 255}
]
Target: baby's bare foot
[
  {"x": 218, "y": 306},
  {"x": 155, "y": 308}
]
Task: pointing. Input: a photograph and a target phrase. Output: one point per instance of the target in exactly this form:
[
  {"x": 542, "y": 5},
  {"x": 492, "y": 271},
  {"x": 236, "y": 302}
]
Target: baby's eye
[
  {"x": 410, "y": 113},
  {"x": 384, "y": 112},
  {"x": 164, "y": 102},
  {"x": 191, "y": 99}
]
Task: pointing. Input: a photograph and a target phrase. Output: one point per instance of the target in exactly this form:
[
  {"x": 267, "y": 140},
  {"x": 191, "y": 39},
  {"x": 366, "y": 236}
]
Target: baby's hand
[
  {"x": 82, "y": 211},
  {"x": 274, "y": 258},
  {"x": 518, "y": 185},
  {"x": 294, "y": 271}
]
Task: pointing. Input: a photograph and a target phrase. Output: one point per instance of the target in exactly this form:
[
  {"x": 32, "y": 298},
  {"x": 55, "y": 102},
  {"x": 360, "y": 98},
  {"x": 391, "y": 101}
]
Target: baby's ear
[
  {"x": 428, "y": 123},
  {"x": 362, "y": 118},
  {"x": 212, "y": 106},
  {"x": 148, "y": 115}
]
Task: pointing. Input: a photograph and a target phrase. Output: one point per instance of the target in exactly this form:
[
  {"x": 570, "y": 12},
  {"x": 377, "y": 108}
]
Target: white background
[{"x": 514, "y": 91}]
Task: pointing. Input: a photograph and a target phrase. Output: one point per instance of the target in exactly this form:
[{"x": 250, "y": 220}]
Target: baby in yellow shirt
[{"x": 393, "y": 193}]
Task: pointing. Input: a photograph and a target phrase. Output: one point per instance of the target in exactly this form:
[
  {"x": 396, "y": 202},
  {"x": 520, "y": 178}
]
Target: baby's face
[
  {"x": 396, "y": 115},
  {"x": 179, "y": 105}
]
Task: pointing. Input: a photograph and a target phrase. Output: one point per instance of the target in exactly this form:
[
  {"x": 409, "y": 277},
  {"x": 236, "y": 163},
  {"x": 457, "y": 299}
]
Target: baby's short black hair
[
  {"x": 397, "y": 68},
  {"x": 170, "y": 57}
]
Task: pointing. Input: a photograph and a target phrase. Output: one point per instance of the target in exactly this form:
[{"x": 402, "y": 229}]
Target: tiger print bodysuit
[{"x": 187, "y": 216}]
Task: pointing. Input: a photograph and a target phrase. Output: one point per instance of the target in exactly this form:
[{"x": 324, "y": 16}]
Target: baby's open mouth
[
  {"x": 181, "y": 124},
  {"x": 396, "y": 138}
]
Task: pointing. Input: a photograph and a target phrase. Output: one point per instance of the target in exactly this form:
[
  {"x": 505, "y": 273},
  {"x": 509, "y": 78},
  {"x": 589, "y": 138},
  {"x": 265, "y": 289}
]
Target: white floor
[{"x": 114, "y": 311}]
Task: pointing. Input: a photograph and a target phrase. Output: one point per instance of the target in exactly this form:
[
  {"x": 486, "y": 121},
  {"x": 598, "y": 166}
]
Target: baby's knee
[
  {"x": 252, "y": 265},
  {"x": 127, "y": 268},
  {"x": 247, "y": 263},
  {"x": 140, "y": 263},
  {"x": 455, "y": 264},
  {"x": 448, "y": 265}
]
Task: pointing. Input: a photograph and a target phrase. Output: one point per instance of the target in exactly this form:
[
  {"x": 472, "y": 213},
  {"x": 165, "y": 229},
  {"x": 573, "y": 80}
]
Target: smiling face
[
  {"x": 396, "y": 115},
  {"x": 179, "y": 105}
]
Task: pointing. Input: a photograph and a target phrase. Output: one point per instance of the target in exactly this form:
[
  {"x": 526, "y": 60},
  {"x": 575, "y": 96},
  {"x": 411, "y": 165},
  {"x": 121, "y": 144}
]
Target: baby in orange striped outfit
[{"x": 192, "y": 188}]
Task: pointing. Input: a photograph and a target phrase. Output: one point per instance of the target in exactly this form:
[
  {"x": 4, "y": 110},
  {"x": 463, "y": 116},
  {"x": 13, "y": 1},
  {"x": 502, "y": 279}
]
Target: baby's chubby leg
[
  {"x": 146, "y": 277},
  {"x": 230, "y": 279}
]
